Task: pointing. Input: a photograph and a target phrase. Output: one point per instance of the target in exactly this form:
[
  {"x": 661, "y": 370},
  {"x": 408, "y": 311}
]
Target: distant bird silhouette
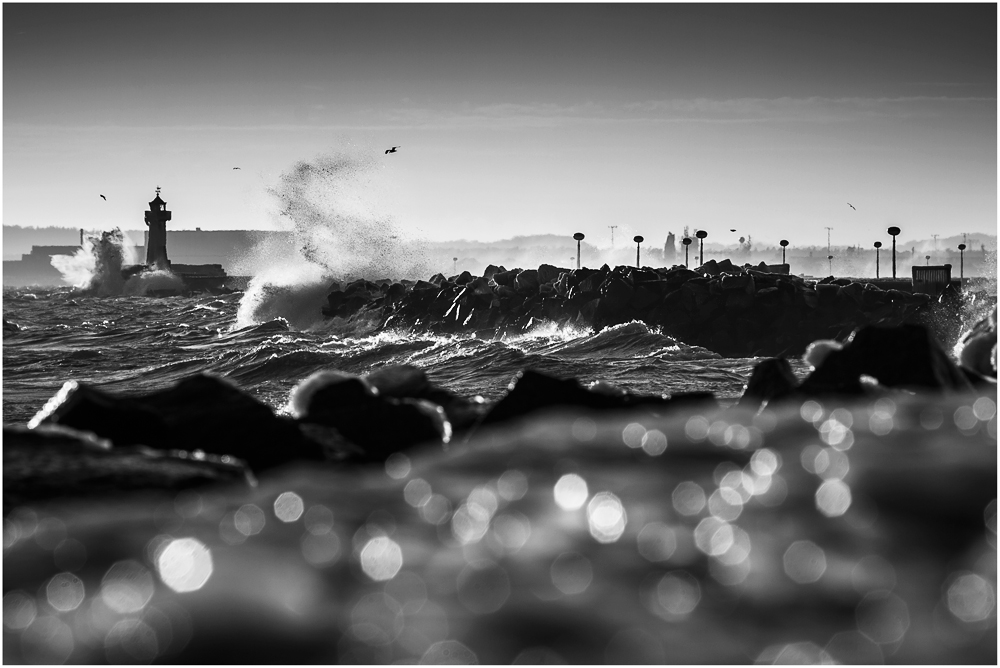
[
  {"x": 235, "y": 167},
  {"x": 731, "y": 230},
  {"x": 851, "y": 205},
  {"x": 104, "y": 198},
  {"x": 391, "y": 150}
]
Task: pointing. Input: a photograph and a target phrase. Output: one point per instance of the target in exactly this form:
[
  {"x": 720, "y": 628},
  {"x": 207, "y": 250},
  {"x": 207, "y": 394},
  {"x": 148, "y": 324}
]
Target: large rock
[
  {"x": 50, "y": 463},
  {"x": 202, "y": 412}
]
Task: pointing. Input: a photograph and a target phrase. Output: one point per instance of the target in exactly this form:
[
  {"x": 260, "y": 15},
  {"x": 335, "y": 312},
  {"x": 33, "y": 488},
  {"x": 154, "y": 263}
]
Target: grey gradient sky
[{"x": 513, "y": 119}]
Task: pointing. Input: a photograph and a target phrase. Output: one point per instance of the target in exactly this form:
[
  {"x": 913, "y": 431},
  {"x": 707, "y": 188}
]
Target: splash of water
[
  {"x": 96, "y": 268},
  {"x": 340, "y": 235}
]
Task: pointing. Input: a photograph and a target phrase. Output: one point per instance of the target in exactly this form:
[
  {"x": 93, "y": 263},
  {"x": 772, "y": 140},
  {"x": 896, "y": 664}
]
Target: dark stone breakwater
[{"x": 734, "y": 311}]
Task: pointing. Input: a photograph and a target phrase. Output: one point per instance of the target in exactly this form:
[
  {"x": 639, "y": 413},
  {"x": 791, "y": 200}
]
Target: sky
[{"x": 511, "y": 119}]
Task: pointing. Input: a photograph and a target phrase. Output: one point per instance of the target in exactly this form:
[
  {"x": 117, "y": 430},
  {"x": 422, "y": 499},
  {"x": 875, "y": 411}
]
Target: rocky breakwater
[{"x": 735, "y": 311}]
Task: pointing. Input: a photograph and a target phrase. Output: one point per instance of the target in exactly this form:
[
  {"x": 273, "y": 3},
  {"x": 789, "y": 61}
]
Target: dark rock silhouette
[
  {"x": 202, "y": 412},
  {"x": 49, "y": 463}
]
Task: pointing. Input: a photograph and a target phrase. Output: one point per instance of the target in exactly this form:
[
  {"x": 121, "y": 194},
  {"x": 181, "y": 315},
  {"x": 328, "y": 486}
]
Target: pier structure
[{"x": 156, "y": 242}]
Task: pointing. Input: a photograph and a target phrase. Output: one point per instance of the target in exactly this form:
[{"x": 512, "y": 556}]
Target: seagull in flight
[
  {"x": 391, "y": 150},
  {"x": 851, "y": 205},
  {"x": 104, "y": 198},
  {"x": 235, "y": 167},
  {"x": 732, "y": 230}
]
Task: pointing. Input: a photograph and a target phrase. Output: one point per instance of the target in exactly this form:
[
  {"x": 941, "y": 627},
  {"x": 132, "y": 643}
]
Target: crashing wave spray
[
  {"x": 97, "y": 268},
  {"x": 339, "y": 236}
]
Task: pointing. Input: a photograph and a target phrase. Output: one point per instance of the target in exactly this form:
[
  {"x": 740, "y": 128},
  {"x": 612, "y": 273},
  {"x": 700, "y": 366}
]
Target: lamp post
[
  {"x": 455, "y": 260},
  {"x": 961, "y": 264},
  {"x": 830, "y": 260},
  {"x": 579, "y": 237},
  {"x": 783, "y": 243},
  {"x": 927, "y": 260},
  {"x": 893, "y": 231},
  {"x": 687, "y": 243},
  {"x": 878, "y": 244},
  {"x": 638, "y": 240},
  {"x": 701, "y": 234}
]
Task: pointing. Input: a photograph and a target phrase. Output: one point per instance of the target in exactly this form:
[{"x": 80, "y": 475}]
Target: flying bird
[
  {"x": 851, "y": 205},
  {"x": 391, "y": 150},
  {"x": 235, "y": 167},
  {"x": 732, "y": 230},
  {"x": 104, "y": 198}
]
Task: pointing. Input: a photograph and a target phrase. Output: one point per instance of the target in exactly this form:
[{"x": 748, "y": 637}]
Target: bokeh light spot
[
  {"x": 679, "y": 593},
  {"x": 127, "y": 587},
  {"x": 971, "y": 598},
  {"x": 571, "y": 492},
  {"x": 288, "y": 507},
  {"x": 632, "y": 434},
  {"x": 606, "y": 517},
  {"x": 321, "y": 549},
  {"x": 397, "y": 466},
  {"x": 381, "y": 558},
  {"x": 804, "y": 562},
  {"x": 19, "y": 610},
  {"x": 657, "y": 542},
  {"x": 249, "y": 520},
  {"x": 654, "y": 442},
  {"x": 833, "y": 498},
  {"x": 688, "y": 498},
  {"x": 512, "y": 485},
  {"x": 65, "y": 592},
  {"x": 571, "y": 573},
  {"x": 185, "y": 564}
]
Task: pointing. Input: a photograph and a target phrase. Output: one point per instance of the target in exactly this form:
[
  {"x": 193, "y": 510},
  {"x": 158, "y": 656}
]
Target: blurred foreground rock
[{"x": 814, "y": 531}]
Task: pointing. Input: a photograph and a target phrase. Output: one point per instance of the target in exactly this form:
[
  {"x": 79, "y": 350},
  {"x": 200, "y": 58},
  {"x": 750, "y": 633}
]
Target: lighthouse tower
[{"x": 156, "y": 240}]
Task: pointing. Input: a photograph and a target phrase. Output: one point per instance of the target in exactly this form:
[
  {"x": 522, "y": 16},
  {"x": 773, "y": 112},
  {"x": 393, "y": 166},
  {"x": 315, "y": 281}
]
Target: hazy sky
[{"x": 513, "y": 119}]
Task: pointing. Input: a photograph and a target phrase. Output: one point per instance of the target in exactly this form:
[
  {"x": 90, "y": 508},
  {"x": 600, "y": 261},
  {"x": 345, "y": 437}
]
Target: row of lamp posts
[{"x": 701, "y": 234}]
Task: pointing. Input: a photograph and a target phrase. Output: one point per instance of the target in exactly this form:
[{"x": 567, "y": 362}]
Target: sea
[{"x": 135, "y": 344}]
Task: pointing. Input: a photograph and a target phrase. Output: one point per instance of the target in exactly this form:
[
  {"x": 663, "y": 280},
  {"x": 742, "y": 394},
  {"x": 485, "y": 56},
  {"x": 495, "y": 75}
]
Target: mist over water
[{"x": 340, "y": 232}]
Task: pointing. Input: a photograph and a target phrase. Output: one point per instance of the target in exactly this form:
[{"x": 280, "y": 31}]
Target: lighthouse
[{"x": 156, "y": 242}]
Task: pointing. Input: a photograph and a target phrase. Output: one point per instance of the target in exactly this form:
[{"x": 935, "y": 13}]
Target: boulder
[
  {"x": 771, "y": 380},
  {"x": 907, "y": 356},
  {"x": 51, "y": 462},
  {"x": 202, "y": 412}
]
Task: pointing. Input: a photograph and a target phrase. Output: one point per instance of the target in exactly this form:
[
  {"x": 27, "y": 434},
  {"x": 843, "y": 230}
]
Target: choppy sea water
[{"x": 132, "y": 344}]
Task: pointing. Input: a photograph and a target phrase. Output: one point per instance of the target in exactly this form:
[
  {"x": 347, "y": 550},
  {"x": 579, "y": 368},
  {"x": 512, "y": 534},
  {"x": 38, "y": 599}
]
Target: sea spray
[
  {"x": 96, "y": 268},
  {"x": 295, "y": 293},
  {"x": 331, "y": 203}
]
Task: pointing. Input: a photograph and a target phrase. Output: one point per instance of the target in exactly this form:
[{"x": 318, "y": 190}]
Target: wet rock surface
[{"x": 732, "y": 310}]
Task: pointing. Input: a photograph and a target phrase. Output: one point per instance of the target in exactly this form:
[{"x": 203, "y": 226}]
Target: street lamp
[
  {"x": 455, "y": 259},
  {"x": 830, "y": 260},
  {"x": 701, "y": 234},
  {"x": 893, "y": 231},
  {"x": 927, "y": 259},
  {"x": 638, "y": 240},
  {"x": 687, "y": 242},
  {"x": 783, "y": 243},
  {"x": 579, "y": 237},
  {"x": 961, "y": 264},
  {"x": 878, "y": 244}
]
